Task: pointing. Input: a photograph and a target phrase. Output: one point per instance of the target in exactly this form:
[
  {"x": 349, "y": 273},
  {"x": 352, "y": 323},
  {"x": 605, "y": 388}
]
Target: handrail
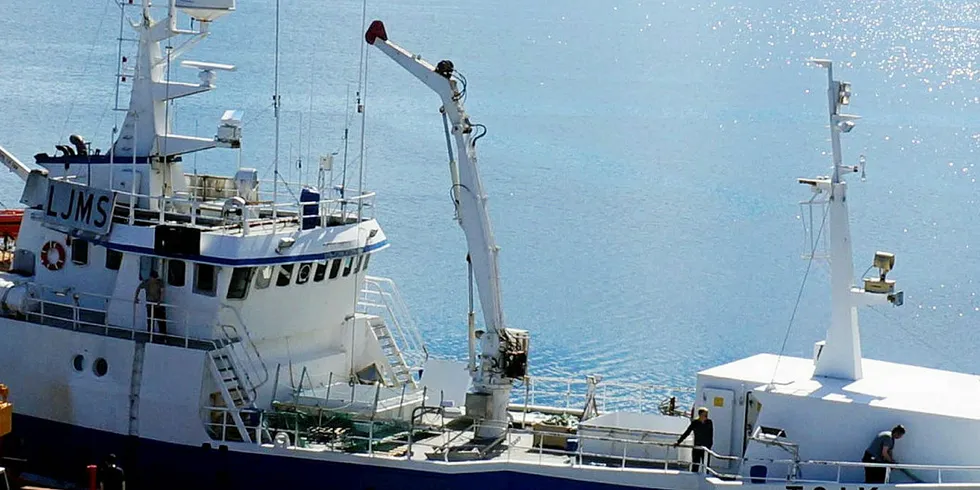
[
  {"x": 251, "y": 343},
  {"x": 609, "y": 395},
  {"x": 200, "y": 210},
  {"x": 575, "y": 457},
  {"x": 409, "y": 339},
  {"x": 43, "y": 300}
]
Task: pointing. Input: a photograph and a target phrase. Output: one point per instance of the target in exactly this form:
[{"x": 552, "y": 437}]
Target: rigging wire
[
  {"x": 911, "y": 334},
  {"x": 799, "y": 295},
  {"x": 361, "y": 81},
  {"x": 85, "y": 66}
]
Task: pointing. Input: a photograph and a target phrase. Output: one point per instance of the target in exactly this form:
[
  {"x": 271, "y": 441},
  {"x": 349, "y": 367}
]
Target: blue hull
[{"x": 63, "y": 451}]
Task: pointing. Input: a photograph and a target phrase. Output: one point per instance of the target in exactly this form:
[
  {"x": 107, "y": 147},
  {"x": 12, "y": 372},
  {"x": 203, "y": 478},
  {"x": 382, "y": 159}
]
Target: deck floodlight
[
  {"x": 845, "y": 126},
  {"x": 885, "y": 262}
]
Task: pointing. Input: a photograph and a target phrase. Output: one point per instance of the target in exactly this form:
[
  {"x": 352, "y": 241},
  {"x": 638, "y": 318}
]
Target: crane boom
[
  {"x": 503, "y": 352},
  {"x": 474, "y": 217}
]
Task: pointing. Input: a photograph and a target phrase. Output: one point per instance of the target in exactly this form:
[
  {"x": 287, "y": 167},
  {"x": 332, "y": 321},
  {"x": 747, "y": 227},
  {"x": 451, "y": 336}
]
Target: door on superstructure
[
  {"x": 752, "y": 408},
  {"x": 721, "y": 410}
]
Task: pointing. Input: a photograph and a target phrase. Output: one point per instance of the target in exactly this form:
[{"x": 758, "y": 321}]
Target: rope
[{"x": 799, "y": 296}]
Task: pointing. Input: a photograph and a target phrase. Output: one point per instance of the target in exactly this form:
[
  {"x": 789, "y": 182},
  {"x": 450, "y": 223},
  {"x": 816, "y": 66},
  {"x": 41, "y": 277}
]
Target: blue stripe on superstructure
[{"x": 283, "y": 259}]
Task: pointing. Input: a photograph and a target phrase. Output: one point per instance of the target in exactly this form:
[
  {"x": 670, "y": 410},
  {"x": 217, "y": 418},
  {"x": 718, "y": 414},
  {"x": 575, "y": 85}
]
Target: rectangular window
[
  {"x": 205, "y": 279},
  {"x": 241, "y": 277},
  {"x": 264, "y": 277},
  {"x": 148, "y": 264},
  {"x": 335, "y": 268},
  {"x": 348, "y": 265},
  {"x": 321, "y": 271},
  {"x": 357, "y": 268},
  {"x": 79, "y": 252},
  {"x": 303, "y": 275},
  {"x": 285, "y": 275},
  {"x": 176, "y": 273},
  {"x": 367, "y": 258},
  {"x": 113, "y": 259}
]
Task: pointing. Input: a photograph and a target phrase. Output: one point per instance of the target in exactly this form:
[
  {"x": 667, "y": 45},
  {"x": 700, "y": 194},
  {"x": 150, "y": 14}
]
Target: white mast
[
  {"x": 275, "y": 103},
  {"x": 841, "y": 355}
]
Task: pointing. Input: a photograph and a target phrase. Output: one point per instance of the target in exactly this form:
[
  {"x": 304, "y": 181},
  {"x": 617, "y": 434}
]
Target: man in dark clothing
[
  {"x": 880, "y": 451},
  {"x": 704, "y": 436},
  {"x": 111, "y": 476}
]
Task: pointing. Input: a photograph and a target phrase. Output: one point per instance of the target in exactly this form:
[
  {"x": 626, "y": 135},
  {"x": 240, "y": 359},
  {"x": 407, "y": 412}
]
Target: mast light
[{"x": 844, "y": 93}]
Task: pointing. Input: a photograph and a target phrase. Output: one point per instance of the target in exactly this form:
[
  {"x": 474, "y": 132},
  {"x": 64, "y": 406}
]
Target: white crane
[{"x": 503, "y": 351}]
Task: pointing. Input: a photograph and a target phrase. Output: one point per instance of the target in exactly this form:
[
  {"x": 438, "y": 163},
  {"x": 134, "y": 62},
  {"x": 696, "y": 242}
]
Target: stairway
[
  {"x": 399, "y": 373},
  {"x": 234, "y": 390}
]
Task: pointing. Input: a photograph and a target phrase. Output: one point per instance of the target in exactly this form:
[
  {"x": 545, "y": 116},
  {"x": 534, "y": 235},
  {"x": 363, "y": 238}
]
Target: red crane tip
[{"x": 376, "y": 31}]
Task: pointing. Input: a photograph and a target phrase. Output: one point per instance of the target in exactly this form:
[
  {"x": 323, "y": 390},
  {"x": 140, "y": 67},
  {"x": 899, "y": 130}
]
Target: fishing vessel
[{"x": 274, "y": 360}]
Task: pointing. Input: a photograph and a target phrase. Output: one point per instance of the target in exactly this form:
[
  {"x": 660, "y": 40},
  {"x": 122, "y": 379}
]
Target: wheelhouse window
[
  {"x": 335, "y": 268},
  {"x": 113, "y": 259},
  {"x": 303, "y": 274},
  {"x": 357, "y": 268},
  {"x": 367, "y": 258},
  {"x": 241, "y": 277},
  {"x": 263, "y": 277},
  {"x": 321, "y": 271},
  {"x": 79, "y": 252},
  {"x": 148, "y": 264},
  {"x": 348, "y": 265},
  {"x": 176, "y": 273},
  {"x": 285, "y": 275},
  {"x": 205, "y": 279}
]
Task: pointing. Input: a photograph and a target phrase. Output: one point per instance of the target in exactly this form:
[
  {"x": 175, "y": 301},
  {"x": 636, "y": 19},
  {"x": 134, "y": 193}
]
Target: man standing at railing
[
  {"x": 154, "y": 299},
  {"x": 881, "y": 451},
  {"x": 704, "y": 436}
]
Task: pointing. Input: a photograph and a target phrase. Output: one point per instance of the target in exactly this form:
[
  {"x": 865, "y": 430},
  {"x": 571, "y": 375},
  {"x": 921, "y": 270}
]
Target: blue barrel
[
  {"x": 571, "y": 445},
  {"x": 310, "y": 197}
]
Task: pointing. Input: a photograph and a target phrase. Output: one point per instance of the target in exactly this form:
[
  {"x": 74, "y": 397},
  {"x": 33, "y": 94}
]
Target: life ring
[{"x": 49, "y": 262}]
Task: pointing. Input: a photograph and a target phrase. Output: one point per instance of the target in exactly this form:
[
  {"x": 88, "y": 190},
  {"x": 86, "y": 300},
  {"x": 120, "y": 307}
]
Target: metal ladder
[
  {"x": 136, "y": 382},
  {"x": 234, "y": 391},
  {"x": 399, "y": 370}
]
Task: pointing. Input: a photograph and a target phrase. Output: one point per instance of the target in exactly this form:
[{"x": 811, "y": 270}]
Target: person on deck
[
  {"x": 153, "y": 286},
  {"x": 704, "y": 436},
  {"x": 881, "y": 451}
]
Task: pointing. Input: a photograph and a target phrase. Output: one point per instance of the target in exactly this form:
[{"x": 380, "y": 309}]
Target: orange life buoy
[{"x": 49, "y": 262}]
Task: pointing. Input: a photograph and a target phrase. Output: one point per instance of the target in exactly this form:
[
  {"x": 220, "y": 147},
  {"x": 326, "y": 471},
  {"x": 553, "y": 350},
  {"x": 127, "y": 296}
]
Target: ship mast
[{"x": 840, "y": 356}]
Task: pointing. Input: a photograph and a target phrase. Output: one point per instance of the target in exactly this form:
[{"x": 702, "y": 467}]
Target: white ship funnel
[{"x": 206, "y": 10}]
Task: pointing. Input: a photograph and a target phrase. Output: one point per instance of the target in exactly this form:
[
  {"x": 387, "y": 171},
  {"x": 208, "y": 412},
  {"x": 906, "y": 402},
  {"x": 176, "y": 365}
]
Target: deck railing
[
  {"x": 380, "y": 296},
  {"x": 438, "y": 449},
  {"x": 571, "y": 395},
  {"x": 90, "y": 312},
  {"x": 211, "y": 210}
]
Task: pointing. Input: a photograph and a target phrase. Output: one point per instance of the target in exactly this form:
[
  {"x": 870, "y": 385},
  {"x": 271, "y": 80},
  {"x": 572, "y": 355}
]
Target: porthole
[
  {"x": 100, "y": 367},
  {"x": 78, "y": 362}
]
